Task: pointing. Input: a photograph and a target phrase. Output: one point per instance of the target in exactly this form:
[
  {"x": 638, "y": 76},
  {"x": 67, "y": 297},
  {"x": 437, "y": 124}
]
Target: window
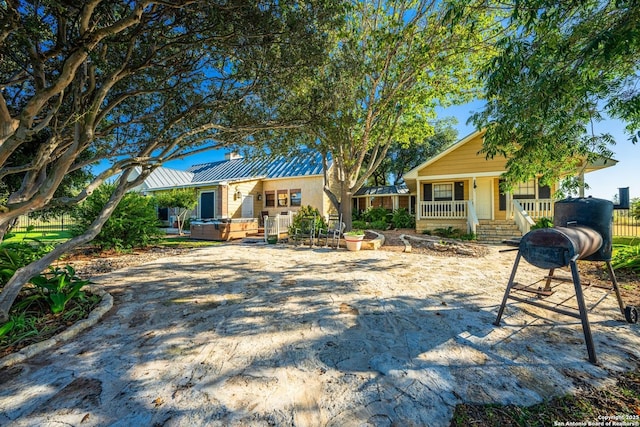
[
  {"x": 525, "y": 190},
  {"x": 283, "y": 198},
  {"x": 296, "y": 197},
  {"x": 270, "y": 199},
  {"x": 442, "y": 192},
  {"x": 163, "y": 214},
  {"x": 207, "y": 204}
]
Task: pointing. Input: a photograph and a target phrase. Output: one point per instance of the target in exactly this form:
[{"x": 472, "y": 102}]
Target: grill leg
[
  {"x": 615, "y": 287},
  {"x": 547, "y": 285},
  {"x": 586, "y": 328},
  {"x": 508, "y": 290}
]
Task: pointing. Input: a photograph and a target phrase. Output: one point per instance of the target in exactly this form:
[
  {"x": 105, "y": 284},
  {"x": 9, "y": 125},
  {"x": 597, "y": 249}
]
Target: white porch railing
[
  {"x": 536, "y": 208},
  {"x": 457, "y": 209},
  {"x": 522, "y": 218},
  {"x": 472, "y": 219},
  {"x": 275, "y": 225}
]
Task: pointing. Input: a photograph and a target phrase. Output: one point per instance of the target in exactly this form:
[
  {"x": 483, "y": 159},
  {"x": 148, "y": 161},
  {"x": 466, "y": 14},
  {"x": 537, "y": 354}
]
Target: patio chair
[
  {"x": 333, "y": 230},
  {"x": 305, "y": 230}
]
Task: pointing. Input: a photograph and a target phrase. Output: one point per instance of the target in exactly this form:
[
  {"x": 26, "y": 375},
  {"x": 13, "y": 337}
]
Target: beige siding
[
  {"x": 247, "y": 188},
  {"x": 464, "y": 160},
  {"x": 311, "y": 191}
]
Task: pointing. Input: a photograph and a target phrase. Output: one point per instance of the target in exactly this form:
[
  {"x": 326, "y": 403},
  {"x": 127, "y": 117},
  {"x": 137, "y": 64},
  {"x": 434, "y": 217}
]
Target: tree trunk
[
  {"x": 346, "y": 207},
  {"x": 22, "y": 276}
]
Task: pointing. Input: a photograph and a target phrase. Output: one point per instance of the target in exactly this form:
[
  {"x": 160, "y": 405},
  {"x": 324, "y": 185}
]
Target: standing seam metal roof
[{"x": 280, "y": 167}]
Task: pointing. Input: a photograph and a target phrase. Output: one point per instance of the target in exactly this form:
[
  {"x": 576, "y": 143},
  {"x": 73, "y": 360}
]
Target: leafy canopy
[
  {"x": 392, "y": 64},
  {"x": 562, "y": 67}
]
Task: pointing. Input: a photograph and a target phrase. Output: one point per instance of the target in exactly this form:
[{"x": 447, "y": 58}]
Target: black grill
[{"x": 582, "y": 231}]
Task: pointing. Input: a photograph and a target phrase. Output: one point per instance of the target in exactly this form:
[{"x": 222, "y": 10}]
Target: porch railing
[
  {"x": 276, "y": 225},
  {"x": 536, "y": 208},
  {"x": 472, "y": 219},
  {"x": 522, "y": 218},
  {"x": 457, "y": 209}
]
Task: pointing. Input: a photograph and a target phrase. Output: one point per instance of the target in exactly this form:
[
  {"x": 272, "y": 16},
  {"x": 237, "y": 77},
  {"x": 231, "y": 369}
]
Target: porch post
[{"x": 418, "y": 198}]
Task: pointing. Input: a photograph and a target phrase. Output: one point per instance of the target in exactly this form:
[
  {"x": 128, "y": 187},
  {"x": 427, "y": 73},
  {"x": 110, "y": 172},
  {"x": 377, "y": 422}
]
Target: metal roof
[
  {"x": 279, "y": 167},
  {"x": 238, "y": 169},
  {"x": 166, "y": 177},
  {"x": 383, "y": 190}
]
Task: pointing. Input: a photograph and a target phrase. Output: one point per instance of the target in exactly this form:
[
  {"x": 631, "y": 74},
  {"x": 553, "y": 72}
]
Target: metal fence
[
  {"x": 57, "y": 223},
  {"x": 624, "y": 224}
]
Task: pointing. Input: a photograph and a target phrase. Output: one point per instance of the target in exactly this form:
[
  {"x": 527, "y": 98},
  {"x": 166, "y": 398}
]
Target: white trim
[{"x": 495, "y": 174}]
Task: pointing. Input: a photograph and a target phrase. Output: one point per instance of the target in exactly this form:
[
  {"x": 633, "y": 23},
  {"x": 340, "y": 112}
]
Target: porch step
[{"x": 496, "y": 231}]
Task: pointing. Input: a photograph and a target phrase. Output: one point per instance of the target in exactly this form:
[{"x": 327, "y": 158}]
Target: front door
[
  {"x": 484, "y": 198},
  {"x": 247, "y": 206}
]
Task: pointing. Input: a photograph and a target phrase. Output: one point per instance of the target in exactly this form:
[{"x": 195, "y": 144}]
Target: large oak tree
[
  {"x": 392, "y": 64},
  {"x": 135, "y": 83}
]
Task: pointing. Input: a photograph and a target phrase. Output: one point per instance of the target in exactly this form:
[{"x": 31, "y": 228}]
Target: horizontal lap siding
[
  {"x": 247, "y": 188},
  {"x": 464, "y": 160},
  {"x": 311, "y": 188}
]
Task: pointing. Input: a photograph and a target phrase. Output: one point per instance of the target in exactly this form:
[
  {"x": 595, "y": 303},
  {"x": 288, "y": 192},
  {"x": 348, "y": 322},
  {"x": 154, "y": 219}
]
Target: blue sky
[{"x": 603, "y": 184}]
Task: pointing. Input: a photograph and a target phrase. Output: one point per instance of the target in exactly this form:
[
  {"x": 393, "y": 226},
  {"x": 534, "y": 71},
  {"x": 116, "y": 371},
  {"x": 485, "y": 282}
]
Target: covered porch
[{"x": 463, "y": 203}]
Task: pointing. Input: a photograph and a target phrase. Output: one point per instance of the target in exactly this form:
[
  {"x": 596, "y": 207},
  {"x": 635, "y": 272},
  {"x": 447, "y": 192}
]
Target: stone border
[
  {"x": 405, "y": 241},
  {"x": 72, "y": 331},
  {"x": 373, "y": 244}
]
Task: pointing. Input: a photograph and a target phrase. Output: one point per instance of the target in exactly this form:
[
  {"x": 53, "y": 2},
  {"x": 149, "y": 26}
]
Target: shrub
[
  {"x": 300, "y": 219},
  {"x": 379, "y": 225},
  {"x": 375, "y": 215},
  {"x": 543, "y": 222},
  {"x": 18, "y": 254},
  {"x": 358, "y": 225},
  {"x": 134, "y": 222},
  {"x": 401, "y": 218},
  {"x": 448, "y": 232},
  {"x": 635, "y": 208},
  {"x": 626, "y": 257}
]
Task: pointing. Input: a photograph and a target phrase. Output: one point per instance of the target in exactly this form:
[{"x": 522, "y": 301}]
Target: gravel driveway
[{"x": 274, "y": 335}]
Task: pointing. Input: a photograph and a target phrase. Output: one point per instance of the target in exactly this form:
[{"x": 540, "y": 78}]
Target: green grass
[
  {"x": 47, "y": 236},
  {"x": 631, "y": 241},
  {"x": 61, "y": 236}
]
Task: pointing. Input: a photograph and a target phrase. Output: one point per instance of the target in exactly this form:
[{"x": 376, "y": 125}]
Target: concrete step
[{"x": 497, "y": 231}]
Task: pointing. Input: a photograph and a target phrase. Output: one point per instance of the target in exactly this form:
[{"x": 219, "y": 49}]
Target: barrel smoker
[{"x": 582, "y": 231}]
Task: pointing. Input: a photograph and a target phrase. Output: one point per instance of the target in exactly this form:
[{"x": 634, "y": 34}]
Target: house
[
  {"x": 390, "y": 197},
  {"x": 460, "y": 188},
  {"x": 247, "y": 188}
]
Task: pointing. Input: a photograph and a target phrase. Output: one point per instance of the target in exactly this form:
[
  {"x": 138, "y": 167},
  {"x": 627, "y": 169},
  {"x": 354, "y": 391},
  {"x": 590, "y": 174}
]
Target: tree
[
  {"x": 562, "y": 66},
  {"x": 183, "y": 199},
  {"x": 135, "y": 84},
  {"x": 392, "y": 64},
  {"x": 402, "y": 158}
]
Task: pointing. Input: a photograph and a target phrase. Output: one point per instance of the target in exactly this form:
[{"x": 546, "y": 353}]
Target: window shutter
[
  {"x": 458, "y": 190},
  {"x": 427, "y": 192}
]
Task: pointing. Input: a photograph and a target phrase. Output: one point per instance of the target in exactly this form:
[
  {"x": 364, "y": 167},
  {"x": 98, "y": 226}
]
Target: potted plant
[{"x": 354, "y": 239}]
